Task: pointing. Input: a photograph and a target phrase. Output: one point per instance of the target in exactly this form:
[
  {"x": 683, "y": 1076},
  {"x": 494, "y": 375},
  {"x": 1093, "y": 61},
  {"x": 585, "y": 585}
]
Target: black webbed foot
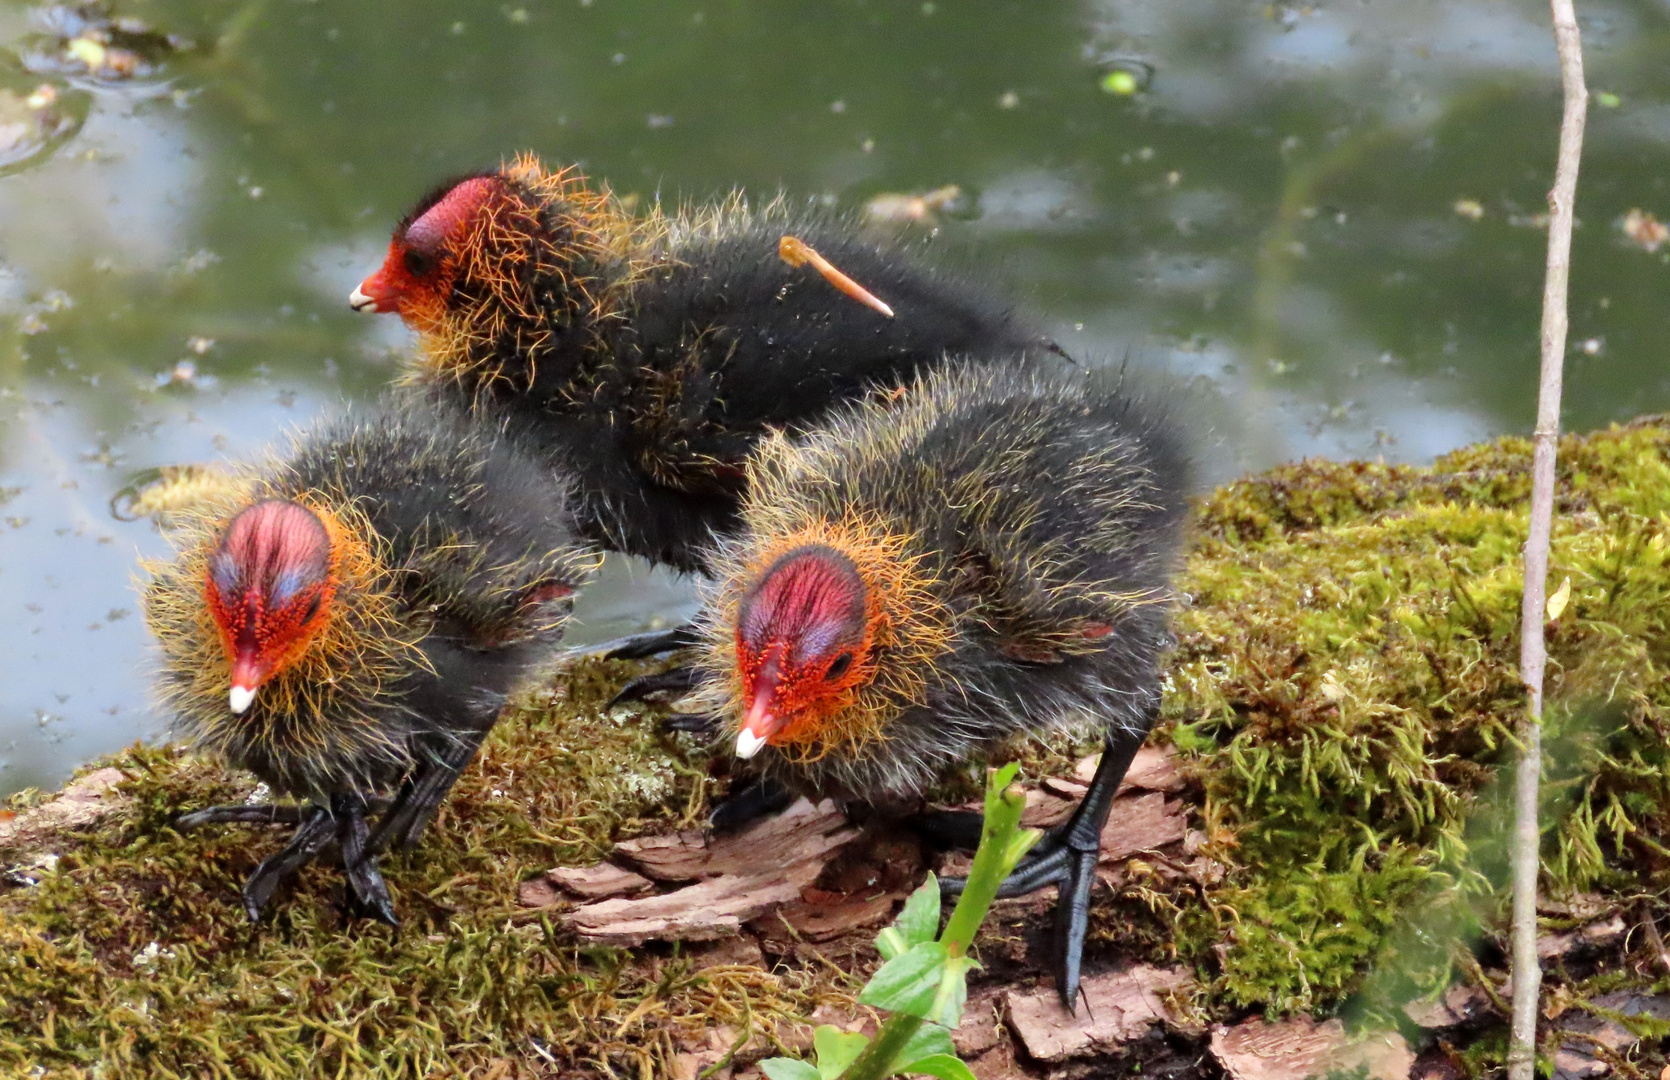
[
  {"x": 1066, "y": 857},
  {"x": 257, "y": 814},
  {"x": 642, "y": 646},
  {"x": 343, "y": 821},
  {"x": 757, "y": 800},
  {"x": 674, "y": 680}
]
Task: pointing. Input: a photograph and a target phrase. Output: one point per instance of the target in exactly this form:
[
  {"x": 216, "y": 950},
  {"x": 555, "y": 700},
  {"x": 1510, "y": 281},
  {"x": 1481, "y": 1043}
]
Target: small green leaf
[
  {"x": 929, "y": 1040},
  {"x": 952, "y": 994},
  {"x": 944, "y": 1066},
  {"x": 1608, "y": 100},
  {"x": 919, "y": 921},
  {"x": 836, "y": 1050},
  {"x": 909, "y": 982},
  {"x": 788, "y": 1069}
]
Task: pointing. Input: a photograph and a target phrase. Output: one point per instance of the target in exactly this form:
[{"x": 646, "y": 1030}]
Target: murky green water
[{"x": 1322, "y": 217}]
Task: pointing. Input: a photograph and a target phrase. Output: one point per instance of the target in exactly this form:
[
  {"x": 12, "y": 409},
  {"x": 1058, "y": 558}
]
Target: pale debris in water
[
  {"x": 1645, "y": 229},
  {"x": 909, "y": 208}
]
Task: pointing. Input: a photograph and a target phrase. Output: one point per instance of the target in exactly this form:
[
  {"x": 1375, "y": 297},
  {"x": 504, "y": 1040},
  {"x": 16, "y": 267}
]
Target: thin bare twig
[{"x": 1533, "y": 656}]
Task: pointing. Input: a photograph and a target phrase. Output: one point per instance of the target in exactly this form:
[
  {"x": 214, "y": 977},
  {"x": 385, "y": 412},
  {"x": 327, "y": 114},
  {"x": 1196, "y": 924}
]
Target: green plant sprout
[{"x": 923, "y": 981}]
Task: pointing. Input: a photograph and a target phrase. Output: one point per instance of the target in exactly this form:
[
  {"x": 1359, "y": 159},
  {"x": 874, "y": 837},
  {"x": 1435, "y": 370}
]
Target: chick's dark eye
[
  {"x": 839, "y": 667},
  {"x": 312, "y": 608},
  {"x": 418, "y": 263}
]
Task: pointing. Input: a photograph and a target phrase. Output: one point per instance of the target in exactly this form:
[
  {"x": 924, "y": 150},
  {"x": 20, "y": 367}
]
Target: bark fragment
[
  {"x": 1117, "y": 1007},
  {"x": 1299, "y": 1048}
]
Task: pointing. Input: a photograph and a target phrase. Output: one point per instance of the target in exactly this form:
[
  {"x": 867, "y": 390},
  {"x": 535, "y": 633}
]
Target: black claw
[
  {"x": 695, "y": 723},
  {"x": 314, "y": 832},
  {"x": 248, "y": 813},
  {"x": 360, "y": 865},
  {"x": 1072, "y": 920},
  {"x": 760, "y": 799},
  {"x": 674, "y": 680}
]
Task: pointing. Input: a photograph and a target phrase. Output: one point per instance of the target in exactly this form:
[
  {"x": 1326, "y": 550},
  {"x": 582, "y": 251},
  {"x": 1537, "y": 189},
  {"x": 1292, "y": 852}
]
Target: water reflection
[{"x": 1274, "y": 219}]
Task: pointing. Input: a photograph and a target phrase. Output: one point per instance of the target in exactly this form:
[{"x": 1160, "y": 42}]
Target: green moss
[
  {"x": 469, "y": 983},
  {"x": 1347, "y": 683},
  {"x": 1343, "y": 697}
]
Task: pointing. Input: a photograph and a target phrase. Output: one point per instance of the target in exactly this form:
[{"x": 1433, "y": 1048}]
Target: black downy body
[
  {"x": 472, "y": 566},
  {"x": 1031, "y": 508},
  {"x": 711, "y": 341}
]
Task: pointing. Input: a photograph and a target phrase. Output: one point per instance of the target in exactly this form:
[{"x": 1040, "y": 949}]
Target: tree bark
[{"x": 1527, "y": 973}]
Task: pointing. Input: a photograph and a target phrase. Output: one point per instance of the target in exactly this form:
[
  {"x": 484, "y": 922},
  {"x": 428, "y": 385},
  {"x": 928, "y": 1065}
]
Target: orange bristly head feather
[
  {"x": 269, "y": 587},
  {"x": 500, "y": 262},
  {"x": 426, "y": 254},
  {"x": 805, "y": 636},
  {"x": 830, "y": 632}
]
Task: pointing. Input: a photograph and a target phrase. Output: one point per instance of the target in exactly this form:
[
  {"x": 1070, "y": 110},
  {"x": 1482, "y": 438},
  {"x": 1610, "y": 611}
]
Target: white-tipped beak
[
  {"x": 359, "y": 301},
  {"x": 242, "y": 696},
  {"x": 748, "y": 744}
]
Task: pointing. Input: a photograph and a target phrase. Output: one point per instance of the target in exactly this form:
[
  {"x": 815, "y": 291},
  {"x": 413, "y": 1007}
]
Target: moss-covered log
[{"x": 1342, "y": 697}]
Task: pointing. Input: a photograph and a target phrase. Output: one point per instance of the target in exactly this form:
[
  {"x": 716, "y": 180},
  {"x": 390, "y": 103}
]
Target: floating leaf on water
[
  {"x": 1119, "y": 82},
  {"x": 1607, "y": 100},
  {"x": 1471, "y": 209},
  {"x": 1124, "y": 75},
  {"x": 88, "y": 51}
]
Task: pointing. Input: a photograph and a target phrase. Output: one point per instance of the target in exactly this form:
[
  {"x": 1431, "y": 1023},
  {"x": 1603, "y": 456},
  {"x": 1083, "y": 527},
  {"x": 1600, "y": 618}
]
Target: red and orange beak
[
  {"x": 761, "y": 721},
  {"x": 758, "y": 726},
  {"x": 376, "y": 293},
  {"x": 248, "y": 673}
]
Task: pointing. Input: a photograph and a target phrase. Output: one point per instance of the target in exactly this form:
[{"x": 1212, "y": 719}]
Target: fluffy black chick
[
  {"x": 347, "y": 621},
  {"x": 651, "y": 353},
  {"x": 915, "y": 582}
]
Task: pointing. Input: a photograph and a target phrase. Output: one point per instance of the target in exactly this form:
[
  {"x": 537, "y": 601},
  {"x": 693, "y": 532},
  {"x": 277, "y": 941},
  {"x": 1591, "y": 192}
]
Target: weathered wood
[{"x": 1119, "y": 1006}]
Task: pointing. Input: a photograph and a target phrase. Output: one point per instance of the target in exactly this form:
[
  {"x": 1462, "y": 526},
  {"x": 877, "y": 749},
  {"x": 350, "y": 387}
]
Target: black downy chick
[
  {"x": 915, "y": 582},
  {"x": 651, "y": 353},
  {"x": 347, "y": 622}
]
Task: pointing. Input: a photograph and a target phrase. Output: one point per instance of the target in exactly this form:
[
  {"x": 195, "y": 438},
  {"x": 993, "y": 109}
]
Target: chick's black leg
[
  {"x": 243, "y": 813},
  {"x": 315, "y": 831},
  {"x": 423, "y": 793},
  {"x": 674, "y": 680},
  {"x": 757, "y": 800},
  {"x": 958, "y": 829},
  {"x": 644, "y": 646},
  {"x": 254, "y": 814},
  {"x": 359, "y": 863},
  {"x": 1066, "y": 857}
]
